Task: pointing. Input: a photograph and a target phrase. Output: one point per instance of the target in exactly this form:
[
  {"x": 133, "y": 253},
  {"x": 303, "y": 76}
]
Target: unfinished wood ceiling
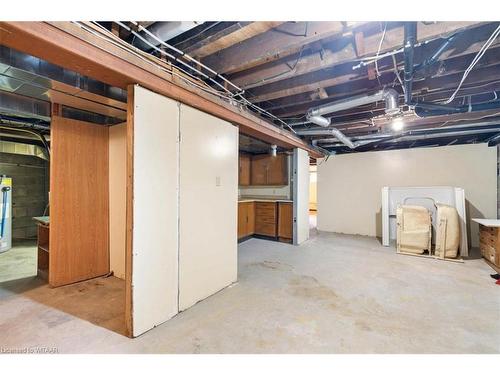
[{"x": 288, "y": 67}]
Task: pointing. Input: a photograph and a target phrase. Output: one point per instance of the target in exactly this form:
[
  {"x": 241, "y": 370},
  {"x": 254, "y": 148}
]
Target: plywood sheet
[
  {"x": 155, "y": 210},
  {"x": 117, "y": 198},
  {"x": 208, "y": 206},
  {"x": 79, "y": 201}
]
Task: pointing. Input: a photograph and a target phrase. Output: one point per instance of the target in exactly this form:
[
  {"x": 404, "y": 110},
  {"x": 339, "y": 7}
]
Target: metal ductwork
[
  {"x": 390, "y": 96},
  {"x": 315, "y": 115},
  {"x": 331, "y": 131},
  {"x": 164, "y": 31},
  {"x": 417, "y": 134}
]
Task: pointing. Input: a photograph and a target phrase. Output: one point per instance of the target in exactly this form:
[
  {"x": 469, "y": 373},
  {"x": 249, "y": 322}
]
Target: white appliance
[{"x": 5, "y": 213}]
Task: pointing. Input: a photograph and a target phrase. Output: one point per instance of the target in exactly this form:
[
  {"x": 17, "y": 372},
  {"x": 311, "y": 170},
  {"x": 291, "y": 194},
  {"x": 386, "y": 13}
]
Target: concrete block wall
[{"x": 30, "y": 181}]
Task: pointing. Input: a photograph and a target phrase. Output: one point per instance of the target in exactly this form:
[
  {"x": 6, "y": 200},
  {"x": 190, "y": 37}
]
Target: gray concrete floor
[
  {"x": 334, "y": 294},
  {"x": 19, "y": 262}
]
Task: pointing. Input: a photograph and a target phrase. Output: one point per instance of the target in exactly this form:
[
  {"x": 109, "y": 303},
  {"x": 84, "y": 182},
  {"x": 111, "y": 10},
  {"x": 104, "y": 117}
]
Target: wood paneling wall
[
  {"x": 79, "y": 185},
  {"x": 117, "y": 198}
]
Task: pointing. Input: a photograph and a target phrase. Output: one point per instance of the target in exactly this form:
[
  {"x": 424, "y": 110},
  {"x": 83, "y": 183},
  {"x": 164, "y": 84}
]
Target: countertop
[
  {"x": 488, "y": 222},
  {"x": 42, "y": 219},
  {"x": 263, "y": 199}
]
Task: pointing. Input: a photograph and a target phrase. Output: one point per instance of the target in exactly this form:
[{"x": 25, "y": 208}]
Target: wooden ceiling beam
[
  {"x": 224, "y": 39},
  {"x": 341, "y": 51},
  {"x": 69, "y": 46},
  {"x": 483, "y": 75},
  {"x": 329, "y": 77},
  {"x": 274, "y": 44}
]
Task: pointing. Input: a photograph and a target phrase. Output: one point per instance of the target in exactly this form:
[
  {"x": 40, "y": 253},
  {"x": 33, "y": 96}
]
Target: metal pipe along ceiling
[{"x": 315, "y": 115}]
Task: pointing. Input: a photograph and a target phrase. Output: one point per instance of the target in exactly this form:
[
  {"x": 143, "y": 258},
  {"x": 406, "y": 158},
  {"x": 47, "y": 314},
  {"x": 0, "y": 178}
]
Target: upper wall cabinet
[
  {"x": 244, "y": 169},
  {"x": 269, "y": 170}
]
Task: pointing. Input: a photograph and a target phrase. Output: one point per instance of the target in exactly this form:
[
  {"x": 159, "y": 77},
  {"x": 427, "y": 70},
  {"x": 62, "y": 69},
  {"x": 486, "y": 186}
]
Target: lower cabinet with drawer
[
  {"x": 489, "y": 244},
  {"x": 267, "y": 219}
]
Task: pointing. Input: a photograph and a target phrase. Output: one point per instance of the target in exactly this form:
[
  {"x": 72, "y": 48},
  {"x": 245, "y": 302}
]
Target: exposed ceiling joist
[
  {"x": 224, "y": 39},
  {"x": 298, "y": 101},
  {"x": 274, "y": 44},
  {"x": 342, "y": 74},
  {"x": 341, "y": 51}
]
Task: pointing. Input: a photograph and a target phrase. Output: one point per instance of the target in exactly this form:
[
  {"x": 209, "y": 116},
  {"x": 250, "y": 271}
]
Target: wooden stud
[
  {"x": 129, "y": 303},
  {"x": 56, "y": 109}
]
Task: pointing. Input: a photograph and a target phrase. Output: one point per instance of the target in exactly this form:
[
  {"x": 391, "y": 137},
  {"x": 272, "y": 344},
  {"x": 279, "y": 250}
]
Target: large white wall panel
[
  {"x": 155, "y": 210},
  {"x": 349, "y": 186},
  {"x": 208, "y": 205}
]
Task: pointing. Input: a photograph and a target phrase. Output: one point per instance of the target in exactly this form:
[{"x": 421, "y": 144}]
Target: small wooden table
[
  {"x": 489, "y": 241},
  {"x": 43, "y": 245}
]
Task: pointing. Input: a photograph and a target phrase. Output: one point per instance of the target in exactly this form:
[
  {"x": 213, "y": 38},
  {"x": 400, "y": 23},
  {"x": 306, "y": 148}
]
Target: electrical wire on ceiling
[
  {"x": 198, "y": 34},
  {"x": 156, "y": 62},
  {"x": 478, "y": 56},
  {"x": 239, "y": 92},
  {"x": 290, "y": 72},
  {"x": 396, "y": 72},
  {"x": 378, "y": 50}
]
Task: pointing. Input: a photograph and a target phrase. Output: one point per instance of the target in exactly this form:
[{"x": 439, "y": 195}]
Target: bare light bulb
[
  {"x": 397, "y": 124},
  {"x": 274, "y": 149}
]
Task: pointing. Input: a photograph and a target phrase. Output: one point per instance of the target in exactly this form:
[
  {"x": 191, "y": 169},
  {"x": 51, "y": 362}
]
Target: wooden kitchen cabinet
[
  {"x": 244, "y": 169},
  {"x": 246, "y": 219},
  {"x": 269, "y": 170},
  {"x": 489, "y": 244},
  {"x": 285, "y": 221},
  {"x": 266, "y": 219}
]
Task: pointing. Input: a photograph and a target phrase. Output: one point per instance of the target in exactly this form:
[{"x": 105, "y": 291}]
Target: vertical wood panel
[
  {"x": 117, "y": 198},
  {"x": 79, "y": 227},
  {"x": 129, "y": 212}
]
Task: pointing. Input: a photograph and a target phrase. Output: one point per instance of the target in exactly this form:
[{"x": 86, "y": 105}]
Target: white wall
[
  {"x": 208, "y": 205},
  {"x": 155, "y": 210},
  {"x": 349, "y": 186},
  {"x": 301, "y": 196},
  {"x": 117, "y": 198},
  {"x": 313, "y": 179}
]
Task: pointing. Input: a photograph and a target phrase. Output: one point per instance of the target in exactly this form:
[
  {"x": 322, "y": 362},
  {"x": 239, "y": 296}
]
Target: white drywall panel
[
  {"x": 301, "y": 196},
  {"x": 349, "y": 186},
  {"x": 208, "y": 205},
  {"x": 117, "y": 198},
  {"x": 155, "y": 210}
]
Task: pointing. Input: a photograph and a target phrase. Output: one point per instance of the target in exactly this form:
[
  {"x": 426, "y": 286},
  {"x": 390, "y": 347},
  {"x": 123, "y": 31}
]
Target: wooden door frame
[{"x": 129, "y": 323}]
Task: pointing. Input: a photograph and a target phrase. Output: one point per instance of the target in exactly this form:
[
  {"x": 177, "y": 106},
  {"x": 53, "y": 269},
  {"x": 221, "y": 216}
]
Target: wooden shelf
[{"x": 44, "y": 248}]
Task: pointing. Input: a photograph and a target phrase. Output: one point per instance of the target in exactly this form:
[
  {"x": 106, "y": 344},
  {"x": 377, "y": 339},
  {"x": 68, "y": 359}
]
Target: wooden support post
[
  {"x": 129, "y": 213},
  {"x": 115, "y": 29},
  {"x": 56, "y": 109}
]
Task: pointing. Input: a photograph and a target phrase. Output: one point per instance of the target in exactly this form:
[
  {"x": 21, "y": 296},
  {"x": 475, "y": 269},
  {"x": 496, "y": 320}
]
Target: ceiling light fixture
[
  {"x": 274, "y": 150},
  {"x": 397, "y": 124}
]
